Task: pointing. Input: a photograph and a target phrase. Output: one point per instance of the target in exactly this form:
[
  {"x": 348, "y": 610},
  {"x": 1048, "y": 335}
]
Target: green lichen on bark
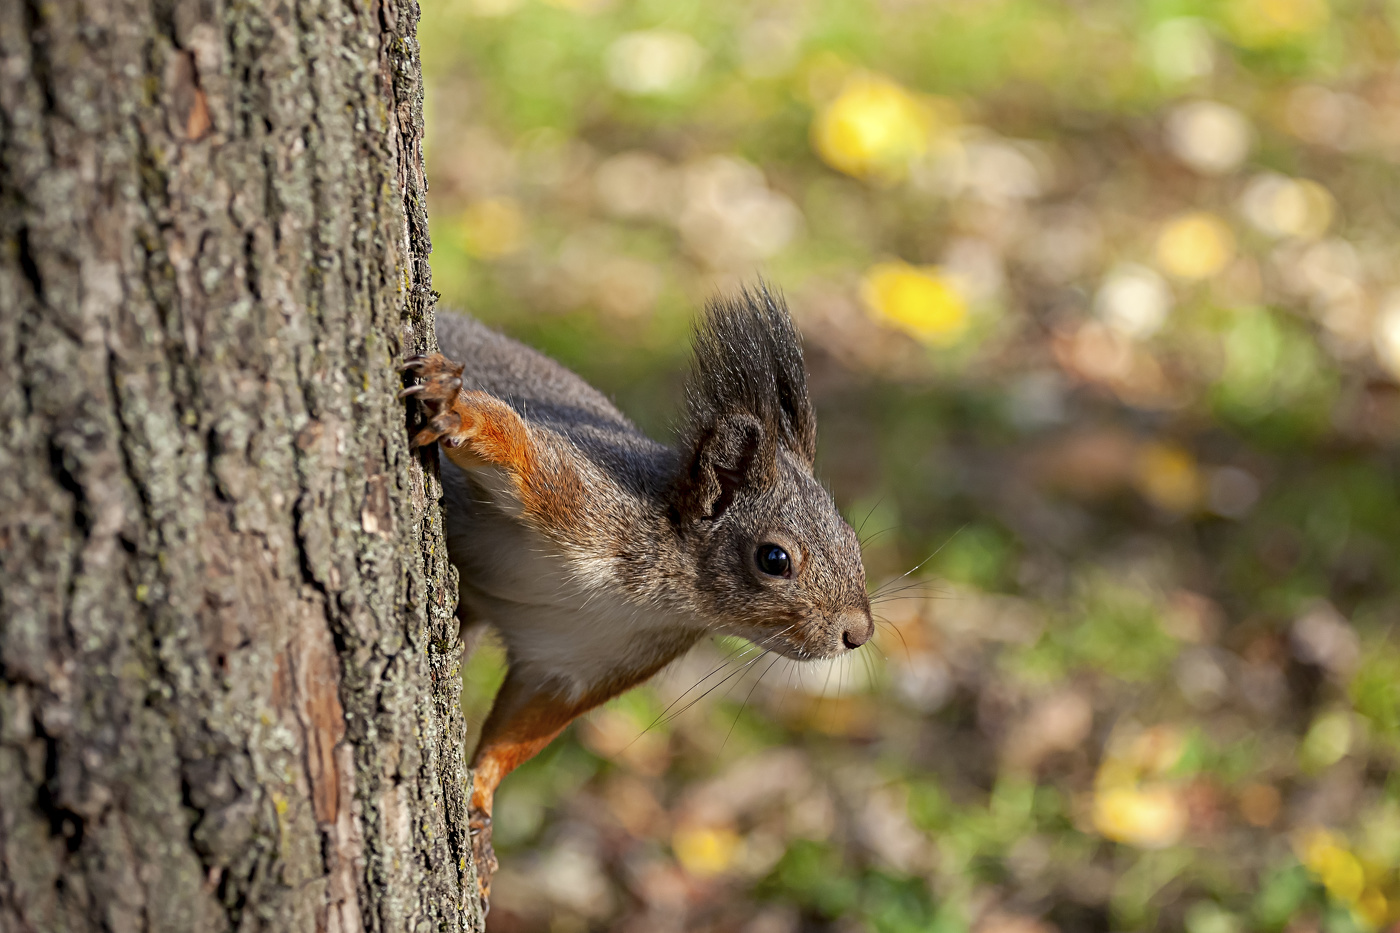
[{"x": 228, "y": 685}]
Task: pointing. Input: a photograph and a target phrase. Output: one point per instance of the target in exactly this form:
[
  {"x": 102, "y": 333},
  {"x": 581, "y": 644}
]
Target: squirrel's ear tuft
[
  {"x": 748, "y": 361},
  {"x": 733, "y": 454}
]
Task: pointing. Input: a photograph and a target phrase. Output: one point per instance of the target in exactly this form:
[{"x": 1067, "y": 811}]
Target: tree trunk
[{"x": 228, "y": 673}]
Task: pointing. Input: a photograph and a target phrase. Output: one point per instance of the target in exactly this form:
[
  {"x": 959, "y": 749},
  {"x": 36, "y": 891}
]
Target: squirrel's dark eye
[{"x": 773, "y": 560}]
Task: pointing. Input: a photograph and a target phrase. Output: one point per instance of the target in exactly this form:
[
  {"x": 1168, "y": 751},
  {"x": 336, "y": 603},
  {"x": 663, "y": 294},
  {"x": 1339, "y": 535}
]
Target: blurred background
[{"x": 1101, "y": 302}]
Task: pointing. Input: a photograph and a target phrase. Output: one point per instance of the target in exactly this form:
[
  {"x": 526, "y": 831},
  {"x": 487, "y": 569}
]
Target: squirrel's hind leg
[
  {"x": 527, "y": 715},
  {"x": 523, "y": 721}
]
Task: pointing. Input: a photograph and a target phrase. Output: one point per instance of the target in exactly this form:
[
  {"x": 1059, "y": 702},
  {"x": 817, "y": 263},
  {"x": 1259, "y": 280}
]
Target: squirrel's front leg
[{"x": 477, "y": 430}]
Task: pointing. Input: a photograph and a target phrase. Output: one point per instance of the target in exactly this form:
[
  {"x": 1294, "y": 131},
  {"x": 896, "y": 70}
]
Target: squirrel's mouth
[{"x": 806, "y": 640}]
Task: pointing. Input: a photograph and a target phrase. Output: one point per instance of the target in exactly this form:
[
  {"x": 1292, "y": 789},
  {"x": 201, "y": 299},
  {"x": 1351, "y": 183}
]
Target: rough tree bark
[{"x": 228, "y": 683}]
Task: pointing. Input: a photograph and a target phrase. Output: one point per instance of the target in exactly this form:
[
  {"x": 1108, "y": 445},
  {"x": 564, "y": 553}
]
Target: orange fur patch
[
  {"x": 517, "y": 730},
  {"x": 523, "y": 722},
  {"x": 548, "y": 485}
]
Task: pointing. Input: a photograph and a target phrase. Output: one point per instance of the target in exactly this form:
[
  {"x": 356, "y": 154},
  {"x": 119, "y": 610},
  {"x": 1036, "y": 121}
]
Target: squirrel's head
[{"x": 773, "y": 559}]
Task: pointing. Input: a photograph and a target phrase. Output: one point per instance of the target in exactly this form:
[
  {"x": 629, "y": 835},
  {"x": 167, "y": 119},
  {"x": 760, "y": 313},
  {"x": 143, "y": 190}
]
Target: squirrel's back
[{"x": 547, "y": 393}]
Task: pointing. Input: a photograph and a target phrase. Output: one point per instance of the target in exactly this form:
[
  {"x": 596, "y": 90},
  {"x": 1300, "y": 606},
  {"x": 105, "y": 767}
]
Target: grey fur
[
  {"x": 546, "y": 393},
  {"x": 673, "y": 531}
]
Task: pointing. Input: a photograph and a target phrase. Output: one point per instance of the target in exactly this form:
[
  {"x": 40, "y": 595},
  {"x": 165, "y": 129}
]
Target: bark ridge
[{"x": 228, "y": 677}]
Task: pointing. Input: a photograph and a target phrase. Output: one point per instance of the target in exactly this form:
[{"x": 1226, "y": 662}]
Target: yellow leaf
[
  {"x": 1343, "y": 876},
  {"x": 1373, "y": 907},
  {"x": 1341, "y": 872},
  {"x": 1149, "y": 817},
  {"x": 873, "y": 128},
  {"x": 1195, "y": 245},
  {"x": 918, "y": 300},
  {"x": 705, "y": 851}
]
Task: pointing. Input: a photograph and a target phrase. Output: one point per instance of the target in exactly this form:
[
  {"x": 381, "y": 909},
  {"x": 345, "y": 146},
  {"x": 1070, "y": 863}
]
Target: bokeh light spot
[
  {"x": 492, "y": 228},
  {"x": 873, "y": 129},
  {"x": 1387, "y": 336},
  {"x": 1167, "y": 477},
  {"x": 918, "y": 300},
  {"x": 1287, "y": 207},
  {"x": 1212, "y": 138},
  {"x": 653, "y": 61},
  {"x": 1340, "y": 871},
  {"x": 1181, "y": 49},
  {"x": 1196, "y": 245},
  {"x": 1149, "y": 817},
  {"x": 1265, "y": 23},
  {"x": 1133, "y": 300},
  {"x": 705, "y": 851}
]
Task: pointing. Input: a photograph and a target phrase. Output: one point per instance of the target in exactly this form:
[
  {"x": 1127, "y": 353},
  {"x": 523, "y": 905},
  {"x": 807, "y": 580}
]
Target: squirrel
[{"x": 599, "y": 555}]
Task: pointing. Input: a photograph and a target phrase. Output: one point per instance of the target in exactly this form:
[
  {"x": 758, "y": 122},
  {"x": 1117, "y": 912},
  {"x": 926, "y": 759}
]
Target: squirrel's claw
[
  {"x": 441, "y": 384},
  {"x": 449, "y": 422},
  {"x": 442, "y": 378},
  {"x": 491, "y": 431}
]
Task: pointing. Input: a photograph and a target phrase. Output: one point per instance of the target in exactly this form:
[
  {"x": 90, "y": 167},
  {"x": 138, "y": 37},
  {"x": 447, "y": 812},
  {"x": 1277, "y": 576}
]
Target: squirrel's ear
[{"x": 732, "y": 454}]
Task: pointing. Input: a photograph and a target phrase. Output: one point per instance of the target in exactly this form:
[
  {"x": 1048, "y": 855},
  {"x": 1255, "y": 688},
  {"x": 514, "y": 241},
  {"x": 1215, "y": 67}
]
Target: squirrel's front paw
[
  {"x": 479, "y": 828},
  {"x": 438, "y": 392},
  {"x": 477, "y": 429}
]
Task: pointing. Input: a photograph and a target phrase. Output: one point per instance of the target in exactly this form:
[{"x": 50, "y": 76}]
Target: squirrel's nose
[{"x": 858, "y": 631}]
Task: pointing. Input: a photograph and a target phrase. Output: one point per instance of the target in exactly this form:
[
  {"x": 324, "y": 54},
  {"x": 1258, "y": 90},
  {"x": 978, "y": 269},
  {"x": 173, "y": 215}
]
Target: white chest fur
[{"x": 561, "y": 619}]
